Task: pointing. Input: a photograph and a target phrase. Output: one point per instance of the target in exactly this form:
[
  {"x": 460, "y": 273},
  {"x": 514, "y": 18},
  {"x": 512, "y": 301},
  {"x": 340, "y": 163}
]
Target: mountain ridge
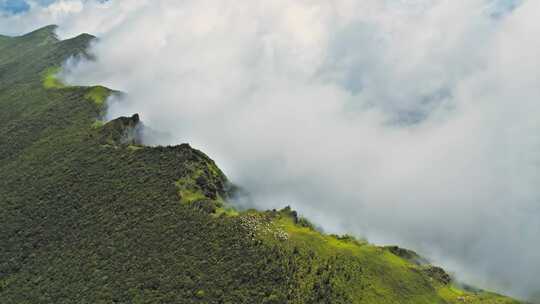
[{"x": 90, "y": 215}]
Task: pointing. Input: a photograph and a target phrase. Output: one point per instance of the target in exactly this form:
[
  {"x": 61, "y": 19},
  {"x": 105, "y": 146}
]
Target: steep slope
[{"x": 89, "y": 215}]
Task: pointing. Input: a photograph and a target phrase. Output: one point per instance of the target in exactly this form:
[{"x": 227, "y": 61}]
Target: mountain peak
[
  {"x": 44, "y": 35},
  {"x": 51, "y": 28}
]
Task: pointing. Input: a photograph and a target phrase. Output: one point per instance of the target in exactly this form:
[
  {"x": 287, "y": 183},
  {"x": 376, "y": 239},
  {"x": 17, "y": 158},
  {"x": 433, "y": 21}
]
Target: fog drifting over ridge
[{"x": 408, "y": 122}]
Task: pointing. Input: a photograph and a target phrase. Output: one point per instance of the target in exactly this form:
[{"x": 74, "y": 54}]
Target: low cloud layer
[{"x": 408, "y": 122}]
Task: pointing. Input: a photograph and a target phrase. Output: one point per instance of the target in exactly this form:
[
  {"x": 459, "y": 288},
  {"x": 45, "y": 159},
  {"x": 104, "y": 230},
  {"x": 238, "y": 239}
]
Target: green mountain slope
[{"x": 89, "y": 215}]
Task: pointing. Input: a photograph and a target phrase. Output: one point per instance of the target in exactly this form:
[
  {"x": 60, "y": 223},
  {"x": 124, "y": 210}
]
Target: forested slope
[{"x": 89, "y": 215}]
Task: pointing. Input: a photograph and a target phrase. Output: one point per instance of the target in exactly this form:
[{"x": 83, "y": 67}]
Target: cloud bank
[{"x": 409, "y": 122}]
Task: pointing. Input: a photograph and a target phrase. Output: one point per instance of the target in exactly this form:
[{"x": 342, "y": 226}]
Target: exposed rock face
[
  {"x": 407, "y": 254},
  {"x": 438, "y": 274},
  {"x": 122, "y": 131}
]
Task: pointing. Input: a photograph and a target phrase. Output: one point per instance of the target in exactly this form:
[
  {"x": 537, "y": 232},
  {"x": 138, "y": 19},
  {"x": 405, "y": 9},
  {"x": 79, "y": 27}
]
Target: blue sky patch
[
  {"x": 19, "y": 6},
  {"x": 13, "y": 6}
]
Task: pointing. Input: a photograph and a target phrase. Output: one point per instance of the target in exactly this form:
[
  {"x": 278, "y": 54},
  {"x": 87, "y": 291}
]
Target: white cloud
[{"x": 410, "y": 122}]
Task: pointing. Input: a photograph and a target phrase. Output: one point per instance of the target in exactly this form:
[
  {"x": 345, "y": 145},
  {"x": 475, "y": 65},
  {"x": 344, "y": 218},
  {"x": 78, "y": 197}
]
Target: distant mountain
[{"x": 90, "y": 215}]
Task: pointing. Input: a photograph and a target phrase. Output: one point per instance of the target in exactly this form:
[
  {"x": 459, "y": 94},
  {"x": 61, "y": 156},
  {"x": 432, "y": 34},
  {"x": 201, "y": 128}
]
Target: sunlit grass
[
  {"x": 50, "y": 79},
  {"x": 98, "y": 94}
]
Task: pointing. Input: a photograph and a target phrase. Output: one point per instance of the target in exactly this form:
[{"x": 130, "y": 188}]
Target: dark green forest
[{"x": 90, "y": 215}]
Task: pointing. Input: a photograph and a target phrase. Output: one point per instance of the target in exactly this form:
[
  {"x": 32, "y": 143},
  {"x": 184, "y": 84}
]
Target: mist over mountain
[
  {"x": 405, "y": 122},
  {"x": 89, "y": 214}
]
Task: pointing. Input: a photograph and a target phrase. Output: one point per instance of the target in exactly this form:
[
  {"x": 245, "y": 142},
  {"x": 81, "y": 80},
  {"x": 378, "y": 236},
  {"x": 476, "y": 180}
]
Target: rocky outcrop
[
  {"x": 122, "y": 131},
  {"x": 407, "y": 254}
]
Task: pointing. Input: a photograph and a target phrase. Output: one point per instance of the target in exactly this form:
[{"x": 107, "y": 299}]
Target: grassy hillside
[{"x": 89, "y": 215}]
